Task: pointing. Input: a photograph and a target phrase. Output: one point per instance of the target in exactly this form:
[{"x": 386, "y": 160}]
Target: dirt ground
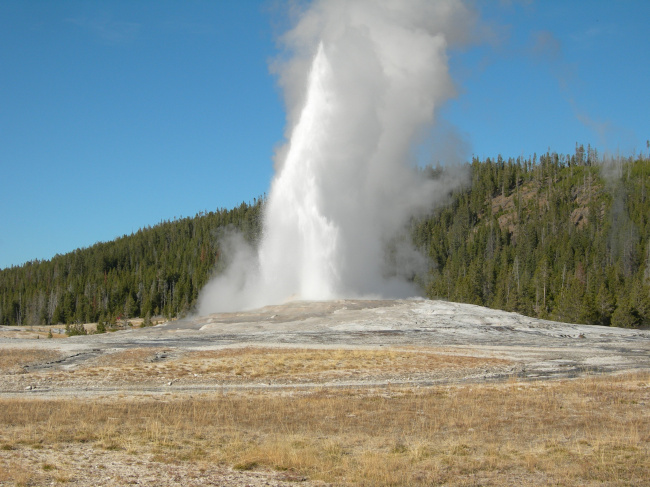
[{"x": 288, "y": 349}]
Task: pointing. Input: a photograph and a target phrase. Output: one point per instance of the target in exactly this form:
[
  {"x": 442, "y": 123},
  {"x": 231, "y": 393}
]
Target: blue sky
[{"x": 116, "y": 115}]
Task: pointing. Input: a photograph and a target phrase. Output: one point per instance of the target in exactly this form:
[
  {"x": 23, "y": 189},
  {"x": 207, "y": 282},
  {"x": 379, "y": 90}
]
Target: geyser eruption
[{"x": 362, "y": 83}]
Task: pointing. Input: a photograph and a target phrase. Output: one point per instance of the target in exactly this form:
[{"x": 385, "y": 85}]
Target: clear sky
[{"x": 116, "y": 115}]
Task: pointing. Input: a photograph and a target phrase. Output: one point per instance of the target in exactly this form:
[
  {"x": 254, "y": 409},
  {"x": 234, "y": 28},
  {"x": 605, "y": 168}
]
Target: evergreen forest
[
  {"x": 562, "y": 237},
  {"x": 157, "y": 271}
]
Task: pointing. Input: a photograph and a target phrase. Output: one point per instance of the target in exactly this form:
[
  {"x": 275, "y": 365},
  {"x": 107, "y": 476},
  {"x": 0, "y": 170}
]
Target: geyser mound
[{"x": 362, "y": 83}]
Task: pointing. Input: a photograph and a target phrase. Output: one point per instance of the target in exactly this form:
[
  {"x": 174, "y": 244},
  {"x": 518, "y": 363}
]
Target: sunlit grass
[
  {"x": 270, "y": 364},
  {"x": 12, "y": 360},
  {"x": 588, "y": 431}
]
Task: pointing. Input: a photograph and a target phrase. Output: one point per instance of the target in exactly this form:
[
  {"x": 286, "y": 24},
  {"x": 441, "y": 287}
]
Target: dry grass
[
  {"x": 16, "y": 473},
  {"x": 58, "y": 331},
  {"x": 258, "y": 363},
  {"x": 12, "y": 360},
  {"x": 273, "y": 365},
  {"x": 589, "y": 431},
  {"x": 33, "y": 332},
  {"x": 131, "y": 357}
]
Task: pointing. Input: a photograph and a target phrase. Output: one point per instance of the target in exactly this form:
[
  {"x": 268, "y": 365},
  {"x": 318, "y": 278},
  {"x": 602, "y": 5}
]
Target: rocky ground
[{"x": 510, "y": 345}]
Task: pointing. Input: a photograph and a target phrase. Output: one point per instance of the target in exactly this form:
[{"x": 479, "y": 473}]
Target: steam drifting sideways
[{"x": 362, "y": 82}]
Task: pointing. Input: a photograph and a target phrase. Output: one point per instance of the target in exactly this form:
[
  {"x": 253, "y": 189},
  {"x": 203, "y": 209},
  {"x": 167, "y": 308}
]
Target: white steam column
[
  {"x": 362, "y": 84},
  {"x": 298, "y": 252}
]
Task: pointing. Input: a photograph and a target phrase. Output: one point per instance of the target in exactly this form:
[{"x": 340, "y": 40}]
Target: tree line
[{"x": 562, "y": 237}]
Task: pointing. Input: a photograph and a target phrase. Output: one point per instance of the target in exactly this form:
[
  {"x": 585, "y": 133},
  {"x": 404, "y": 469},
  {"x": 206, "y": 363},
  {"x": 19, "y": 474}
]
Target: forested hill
[
  {"x": 562, "y": 237},
  {"x": 156, "y": 271}
]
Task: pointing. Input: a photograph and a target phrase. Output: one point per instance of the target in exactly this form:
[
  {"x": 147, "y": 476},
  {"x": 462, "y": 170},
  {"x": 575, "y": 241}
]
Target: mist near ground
[{"x": 362, "y": 81}]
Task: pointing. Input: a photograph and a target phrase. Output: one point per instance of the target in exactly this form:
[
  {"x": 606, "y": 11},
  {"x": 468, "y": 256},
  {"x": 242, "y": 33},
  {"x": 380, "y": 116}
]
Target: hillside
[
  {"x": 562, "y": 237},
  {"x": 157, "y": 271}
]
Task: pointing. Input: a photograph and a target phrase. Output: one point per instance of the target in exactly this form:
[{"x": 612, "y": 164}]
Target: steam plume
[{"x": 361, "y": 84}]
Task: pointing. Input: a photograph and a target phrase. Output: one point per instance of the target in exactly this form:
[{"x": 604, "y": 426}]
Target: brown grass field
[
  {"x": 593, "y": 430},
  {"x": 12, "y": 360},
  {"x": 269, "y": 365}
]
